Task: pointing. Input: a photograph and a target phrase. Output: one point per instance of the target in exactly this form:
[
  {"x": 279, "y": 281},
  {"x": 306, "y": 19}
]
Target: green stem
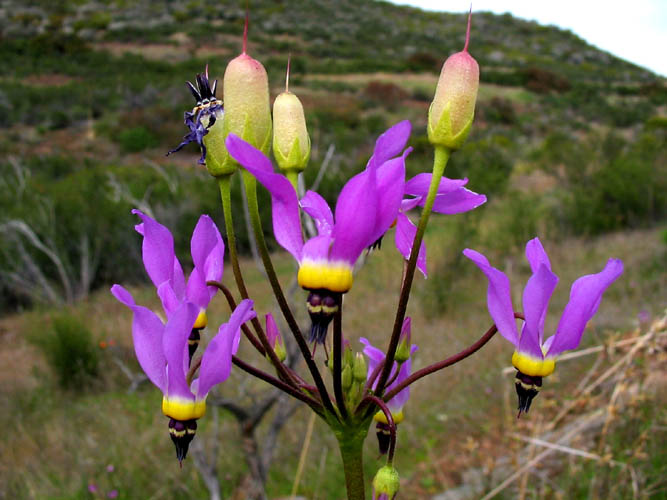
[
  {"x": 337, "y": 362},
  {"x": 439, "y": 162},
  {"x": 224, "y": 183},
  {"x": 253, "y": 208},
  {"x": 351, "y": 451}
]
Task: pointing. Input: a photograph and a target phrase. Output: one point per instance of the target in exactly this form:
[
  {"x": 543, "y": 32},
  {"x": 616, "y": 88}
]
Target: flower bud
[
  {"x": 275, "y": 338},
  {"x": 386, "y": 483},
  {"x": 453, "y": 108},
  {"x": 359, "y": 368},
  {"x": 403, "y": 348},
  {"x": 247, "y": 110},
  {"x": 346, "y": 377},
  {"x": 291, "y": 144}
]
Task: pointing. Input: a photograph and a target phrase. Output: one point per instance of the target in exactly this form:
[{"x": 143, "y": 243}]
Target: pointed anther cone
[
  {"x": 291, "y": 143},
  {"x": 453, "y": 107}
]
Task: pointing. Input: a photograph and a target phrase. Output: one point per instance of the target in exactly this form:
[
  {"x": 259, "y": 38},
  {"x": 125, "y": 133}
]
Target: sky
[{"x": 635, "y": 31}]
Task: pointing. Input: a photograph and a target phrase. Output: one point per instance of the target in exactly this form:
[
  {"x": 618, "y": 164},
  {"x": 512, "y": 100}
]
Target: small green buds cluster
[
  {"x": 453, "y": 108},
  {"x": 291, "y": 143},
  {"x": 386, "y": 483}
]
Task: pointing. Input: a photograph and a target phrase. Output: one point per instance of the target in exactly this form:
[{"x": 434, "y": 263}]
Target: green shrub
[
  {"x": 70, "y": 350},
  {"x": 133, "y": 140}
]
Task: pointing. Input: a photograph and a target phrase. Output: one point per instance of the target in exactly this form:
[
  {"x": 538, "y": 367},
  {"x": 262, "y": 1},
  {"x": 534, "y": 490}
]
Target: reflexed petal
[
  {"x": 536, "y": 297},
  {"x": 356, "y": 211},
  {"x": 375, "y": 357},
  {"x": 174, "y": 345},
  {"x": 390, "y": 188},
  {"x": 170, "y": 301},
  {"x": 456, "y": 202},
  {"x": 390, "y": 143},
  {"x": 157, "y": 249},
  {"x": 317, "y": 207},
  {"x": 499, "y": 300},
  {"x": 208, "y": 252},
  {"x": 284, "y": 202},
  {"x": 409, "y": 203},
  {"x": 317, "y": 248},
  {"x": 216, "y": 363},
  {"x": 585, "y": 297},
  {"x": 536, "y": 255},
  {"x": 196, "y": 291},
  {"x": 147, "y": 331},
  {"x": 404, "y": 238},
  {"x": 420, "y": 183}
]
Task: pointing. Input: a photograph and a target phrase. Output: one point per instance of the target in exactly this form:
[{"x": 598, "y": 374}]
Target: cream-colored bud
[{"x": 291, "y": 143}]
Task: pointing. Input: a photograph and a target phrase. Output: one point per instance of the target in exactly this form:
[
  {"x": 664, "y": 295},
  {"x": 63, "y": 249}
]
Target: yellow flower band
[
  {"x": 201, "y": 321},
  {"x": 534, "y": 367},
  {"x": 380, "y": 417},
  {"x": 322, "y": 274},
  {"x": 183, "y": 409}
]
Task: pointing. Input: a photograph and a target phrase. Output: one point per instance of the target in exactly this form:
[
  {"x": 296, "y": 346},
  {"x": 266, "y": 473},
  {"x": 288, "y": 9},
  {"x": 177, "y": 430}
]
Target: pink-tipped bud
[
  {"x": 275, "y": 339},
  {"x": 403, "y": 348},
  {"x": 247, "y": 109},
  {"x": 453, "y": 107}
]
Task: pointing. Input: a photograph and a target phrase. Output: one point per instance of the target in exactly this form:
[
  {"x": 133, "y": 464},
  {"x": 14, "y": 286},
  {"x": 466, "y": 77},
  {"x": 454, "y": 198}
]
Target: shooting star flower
[
  {"x": 162, "y": 354},
  {"x": 367, "y": 206},
  {"x": 534, "y": 357},
  {"x": 404, "y": 368}
]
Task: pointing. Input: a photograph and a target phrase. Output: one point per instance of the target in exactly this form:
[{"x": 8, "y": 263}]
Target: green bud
[
  {"x": 346, "y": 377},
  {"x": 453, "y": 108},
  {"x": 291, "y": 143},
  {"x": 386, "y": 482},
  {"x": 402, "y": 352},
  {"x": 360, "y": 368}
]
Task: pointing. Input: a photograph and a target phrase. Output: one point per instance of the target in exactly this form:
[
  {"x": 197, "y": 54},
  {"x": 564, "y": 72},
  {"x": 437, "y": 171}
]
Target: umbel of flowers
[{"x": 358, "y": 389}]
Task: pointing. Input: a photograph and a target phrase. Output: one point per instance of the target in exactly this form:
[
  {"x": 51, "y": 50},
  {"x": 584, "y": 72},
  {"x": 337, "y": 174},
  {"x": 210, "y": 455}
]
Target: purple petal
[
  {"x": 157, "y": 249},
  {"x": 536, "y": 255},
  {"x": 585, "y": 296},
  {"x": 390, "y": 143},
  {"x": 147, "y": 332},
  {"x": 356, "y": 211},
  {"x": 208, "y": 252},
  {"x": 396, "y": 403},
  {"x": 390, "y": 188},
  {"x": 420, "y": 183},
  {"x": 317, "y": 248},
  {"x": 174, "y": 345},
  {"x": 409, "y": 203},
  {"x": 272, "y": 331},
  {"x": 499, "y": 300},
  {"x": 170, "y": 301},
  {"x": 404, "y": 238},
  {"x": 536, "y": 297},
  {"x": 216, "y": 363},
  {"x": 375, "y": 357},
  {"x": 196, "y": 291},
  {"x": 317, "y": 207},
  {"x": 456, "y": 202},
  {"x": 284, "y": 202}
]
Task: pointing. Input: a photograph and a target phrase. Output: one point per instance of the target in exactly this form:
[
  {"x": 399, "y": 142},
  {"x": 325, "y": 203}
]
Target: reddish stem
[{"x": 446, "y": 362}]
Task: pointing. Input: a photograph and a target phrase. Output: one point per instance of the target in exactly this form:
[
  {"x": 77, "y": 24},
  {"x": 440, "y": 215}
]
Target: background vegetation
[{"x": 568, "y": 144}]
